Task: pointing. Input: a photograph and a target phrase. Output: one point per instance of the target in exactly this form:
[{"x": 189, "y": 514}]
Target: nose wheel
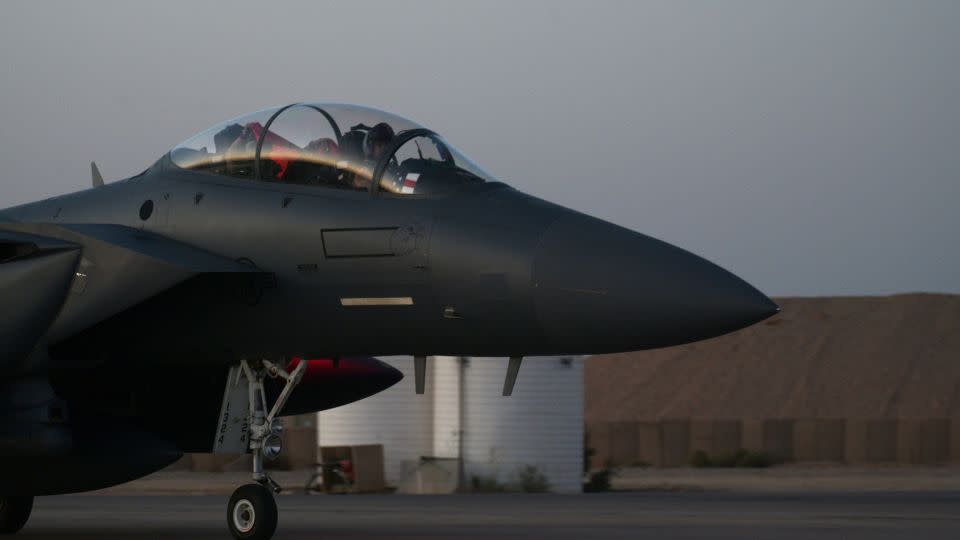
[{"x": 252, "y": 513}]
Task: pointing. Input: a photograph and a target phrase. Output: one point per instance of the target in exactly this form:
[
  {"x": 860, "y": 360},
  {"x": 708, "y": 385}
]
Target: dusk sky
[{"x": 812, "y": 148}]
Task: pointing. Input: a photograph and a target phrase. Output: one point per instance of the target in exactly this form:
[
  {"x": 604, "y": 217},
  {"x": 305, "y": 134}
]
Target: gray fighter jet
[{"x": 255, "y": 270}]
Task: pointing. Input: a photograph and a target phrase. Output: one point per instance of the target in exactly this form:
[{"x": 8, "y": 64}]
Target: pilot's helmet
[{"x": 380, "y": 136}]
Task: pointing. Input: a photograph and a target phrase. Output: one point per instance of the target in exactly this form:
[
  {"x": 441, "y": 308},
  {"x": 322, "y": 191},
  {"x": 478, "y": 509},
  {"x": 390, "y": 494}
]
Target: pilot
[
  {"x": 378, "y": 139},
  {"x": 375, "y": 145},
  {"x": 360, "y": 149},
  {"x": 317, "y": 163},
  {"x": 236, "y": 145}
]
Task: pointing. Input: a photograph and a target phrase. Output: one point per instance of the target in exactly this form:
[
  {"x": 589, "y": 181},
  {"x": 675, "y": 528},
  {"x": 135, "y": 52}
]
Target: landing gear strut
[
  {"x": 14, "y": 513},
  {"x": 252, "y": 511}
]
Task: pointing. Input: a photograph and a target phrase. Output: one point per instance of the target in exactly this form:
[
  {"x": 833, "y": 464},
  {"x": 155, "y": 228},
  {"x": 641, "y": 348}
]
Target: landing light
[{"x": 272, "y": 446}]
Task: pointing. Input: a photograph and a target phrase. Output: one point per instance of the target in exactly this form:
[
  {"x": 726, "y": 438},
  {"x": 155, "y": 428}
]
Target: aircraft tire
[
  {"x": 252, "y": 513},
  {"x": 14, "y": 513}
]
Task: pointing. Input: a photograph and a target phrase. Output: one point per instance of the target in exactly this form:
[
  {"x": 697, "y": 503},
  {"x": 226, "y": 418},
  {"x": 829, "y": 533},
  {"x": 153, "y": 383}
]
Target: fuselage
[
  {"x": 486, "y": 270},
  {"x": 354, "y": 274}
]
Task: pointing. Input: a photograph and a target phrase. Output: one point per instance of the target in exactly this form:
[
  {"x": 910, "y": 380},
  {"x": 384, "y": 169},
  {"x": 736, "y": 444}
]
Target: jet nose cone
[{"x": 602, "y": 288}]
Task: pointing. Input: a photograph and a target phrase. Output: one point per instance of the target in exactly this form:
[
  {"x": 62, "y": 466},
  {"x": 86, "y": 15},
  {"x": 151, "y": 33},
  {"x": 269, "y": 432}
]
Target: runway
[{"x": 610, "y": 515}]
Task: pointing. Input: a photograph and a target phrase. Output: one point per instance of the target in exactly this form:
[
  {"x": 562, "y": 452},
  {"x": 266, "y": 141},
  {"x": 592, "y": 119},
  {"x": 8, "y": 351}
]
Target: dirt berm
[{"x": 834, "y": 357}]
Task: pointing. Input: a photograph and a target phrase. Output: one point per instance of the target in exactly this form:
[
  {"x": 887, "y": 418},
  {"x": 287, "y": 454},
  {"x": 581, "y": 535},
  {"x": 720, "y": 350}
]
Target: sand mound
[{"x": 837, "y": 357}]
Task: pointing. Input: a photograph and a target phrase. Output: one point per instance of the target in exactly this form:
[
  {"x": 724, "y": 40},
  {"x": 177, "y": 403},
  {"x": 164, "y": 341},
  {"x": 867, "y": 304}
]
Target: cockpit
[{"x": 335, "y": 146}]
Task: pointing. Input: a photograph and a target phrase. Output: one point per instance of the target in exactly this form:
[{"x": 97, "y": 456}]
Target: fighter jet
[{"x": 256, "y": 270}]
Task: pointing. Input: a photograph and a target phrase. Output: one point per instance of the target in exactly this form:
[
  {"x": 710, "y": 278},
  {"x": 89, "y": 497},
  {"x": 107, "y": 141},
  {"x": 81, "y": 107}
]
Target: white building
[{"x": 463, "y": 415}]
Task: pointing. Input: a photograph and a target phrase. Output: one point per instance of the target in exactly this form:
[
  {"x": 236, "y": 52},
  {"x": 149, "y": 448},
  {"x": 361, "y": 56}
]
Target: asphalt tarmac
[{"x": 652, "y": 515}]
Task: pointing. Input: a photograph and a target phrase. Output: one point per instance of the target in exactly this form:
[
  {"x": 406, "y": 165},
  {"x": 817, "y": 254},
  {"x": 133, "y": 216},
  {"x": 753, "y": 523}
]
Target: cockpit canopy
[{"x": 334, "y": 146}]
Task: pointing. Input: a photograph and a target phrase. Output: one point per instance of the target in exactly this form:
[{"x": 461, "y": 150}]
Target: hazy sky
[{"x": 810, "y": 147}]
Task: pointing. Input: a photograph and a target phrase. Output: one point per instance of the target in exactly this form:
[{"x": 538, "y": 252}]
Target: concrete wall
[
  {"x": 674, "y": 443},
  {"x": 716, "y": 437},
  {"x": 923, "y": 441},
  {"x": 822, "y": 439},
  {"x": 669, "y": 443}
]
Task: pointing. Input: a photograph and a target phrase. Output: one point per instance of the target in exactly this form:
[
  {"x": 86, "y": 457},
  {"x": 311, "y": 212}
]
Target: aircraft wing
[{"x": 57, "y": 280}]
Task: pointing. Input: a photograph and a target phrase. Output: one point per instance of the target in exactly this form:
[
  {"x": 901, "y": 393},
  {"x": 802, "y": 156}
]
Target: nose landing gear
[{"x": 252, "y": 510}]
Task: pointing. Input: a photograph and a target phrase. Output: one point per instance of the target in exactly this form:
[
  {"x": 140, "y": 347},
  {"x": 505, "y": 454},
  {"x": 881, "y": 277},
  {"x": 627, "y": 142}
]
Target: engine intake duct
[{"x": 35, "y": 277}]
